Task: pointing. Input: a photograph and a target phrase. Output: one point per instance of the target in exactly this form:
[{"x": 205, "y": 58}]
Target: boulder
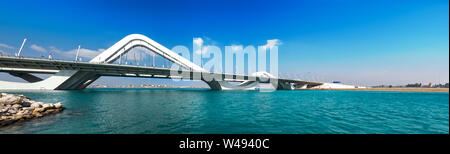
[
  {"x": 11, "y": 99},
  {"x": 3, "y": 117},
  {"x": 28, "y": 116},
  {"x": 35, "y": 105},
  {"x": 14, "y": 108},
  {"x": 28, "y": 108},
  {"x": 58, "y": 105},
  {"x": 37, "y": 114},
  {"x": 48, "y": 106},
  {"x": 12, "y": 111},
  {"x": 26, "y": 104},
  {"x": 38, "y": 109}
]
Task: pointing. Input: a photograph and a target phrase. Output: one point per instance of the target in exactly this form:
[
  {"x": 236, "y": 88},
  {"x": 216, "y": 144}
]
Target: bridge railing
[
  {"x": 34, "y": 57},
  {"x": 66, "y": 59}
]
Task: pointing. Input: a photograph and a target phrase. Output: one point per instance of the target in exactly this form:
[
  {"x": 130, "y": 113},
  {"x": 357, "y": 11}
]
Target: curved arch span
[{"x": 137, "y": 40}]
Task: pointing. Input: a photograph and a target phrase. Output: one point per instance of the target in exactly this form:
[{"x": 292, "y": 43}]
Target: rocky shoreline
[{"x": 15, "y": 108}]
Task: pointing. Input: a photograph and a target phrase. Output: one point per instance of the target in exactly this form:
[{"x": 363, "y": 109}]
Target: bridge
[{"x": 71, "y": 75}]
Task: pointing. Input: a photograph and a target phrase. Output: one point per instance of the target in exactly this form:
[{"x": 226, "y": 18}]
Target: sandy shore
[{"x": 394, "y": 89}]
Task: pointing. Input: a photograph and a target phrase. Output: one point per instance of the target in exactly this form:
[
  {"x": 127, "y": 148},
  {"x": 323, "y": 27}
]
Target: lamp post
[
  {"x": 78, "y": 52},
  {"x": 21, "y": 47}
]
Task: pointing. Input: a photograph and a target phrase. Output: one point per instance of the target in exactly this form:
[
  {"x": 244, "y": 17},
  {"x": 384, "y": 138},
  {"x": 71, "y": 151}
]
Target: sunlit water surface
[{"x": 202, "y": 111}]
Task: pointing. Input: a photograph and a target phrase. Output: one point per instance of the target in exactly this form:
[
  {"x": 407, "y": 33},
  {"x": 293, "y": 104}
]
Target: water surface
[{"x": 203, "y": 111}]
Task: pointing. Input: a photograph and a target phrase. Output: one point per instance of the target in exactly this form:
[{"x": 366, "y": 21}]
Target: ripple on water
[{"x": 202, "y": 111}]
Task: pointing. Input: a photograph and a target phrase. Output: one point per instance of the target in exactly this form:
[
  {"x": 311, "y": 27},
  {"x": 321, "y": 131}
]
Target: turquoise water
[{"x": 170, "y": 111}]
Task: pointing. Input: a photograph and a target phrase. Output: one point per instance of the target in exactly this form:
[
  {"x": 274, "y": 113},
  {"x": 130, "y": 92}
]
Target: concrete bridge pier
[
  {"x": 285, "y": 86},
  {"x": 224, "y": 85}
]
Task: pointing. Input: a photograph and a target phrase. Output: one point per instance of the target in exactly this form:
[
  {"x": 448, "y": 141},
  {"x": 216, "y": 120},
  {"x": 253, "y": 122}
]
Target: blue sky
[{"x": 365, "y": 42}]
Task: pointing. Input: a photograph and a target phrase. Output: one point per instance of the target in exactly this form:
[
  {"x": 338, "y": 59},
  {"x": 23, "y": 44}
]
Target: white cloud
[
  {"x": 6, "y": 46},
  {"x": 203, "y": 50},
  {"x": 38, "y": 48},
  {"x": 3, "y": 53},
  {"x": 55, "y": 50},
  {"x": 198, "y": 41},
  {"x": 90, "y": 53},
  {"x": 272, "y": 43},
  {"x": 86, "y": 53},
  {"x": 236, "y": 47},
  {"x": 203, "y": 44}
]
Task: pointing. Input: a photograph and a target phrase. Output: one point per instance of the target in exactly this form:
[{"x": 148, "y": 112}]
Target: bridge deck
[{"x": 34, "y": 65}]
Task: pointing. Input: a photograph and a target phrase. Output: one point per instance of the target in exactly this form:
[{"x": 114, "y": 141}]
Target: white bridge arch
[
  {"x": 75, "y": 79},
  {"x": 137, "y": 40}
]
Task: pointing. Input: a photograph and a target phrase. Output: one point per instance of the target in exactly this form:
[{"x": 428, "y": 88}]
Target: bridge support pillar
[
  {"x": 225, "y": 85},
  {"x": 246, "y": 85},
  {"x": 285, "y": 86}
]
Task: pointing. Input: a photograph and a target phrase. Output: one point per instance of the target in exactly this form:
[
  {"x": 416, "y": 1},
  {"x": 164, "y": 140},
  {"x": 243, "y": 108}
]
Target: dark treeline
[{"x": 415, "y": 85}]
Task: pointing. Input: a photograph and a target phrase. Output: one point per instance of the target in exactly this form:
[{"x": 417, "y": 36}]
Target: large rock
[
  {"x": 35, "y": 105},
  {"x": 26, "y": 104},
  {"x": 11, "y": 99},
  {"x": 58, "y": 105},
  {"x": 15, "y": 108},
  {"x": 12, "y": 111},
  {"x": 45, "y": 106},
  {"x": 37, "y": 114},
  {"x": 42, "y": 109}
]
